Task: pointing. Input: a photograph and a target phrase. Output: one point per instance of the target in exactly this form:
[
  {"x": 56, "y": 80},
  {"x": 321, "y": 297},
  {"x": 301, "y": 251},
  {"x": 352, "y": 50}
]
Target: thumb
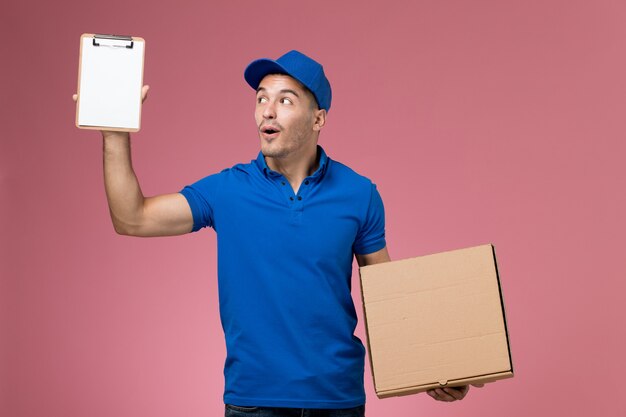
[{"x": 144, "y": 92}]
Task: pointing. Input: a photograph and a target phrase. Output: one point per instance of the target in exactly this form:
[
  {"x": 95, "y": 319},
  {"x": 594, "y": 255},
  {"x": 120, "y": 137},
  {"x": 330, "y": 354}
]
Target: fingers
[
  {"x": 75, "y": 97},
  {"x": 457, "y": 393},
  {"x": 449, "y": 394}
]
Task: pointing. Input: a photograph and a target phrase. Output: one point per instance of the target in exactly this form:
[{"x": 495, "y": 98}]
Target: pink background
[{"x": 480, "y": 121}]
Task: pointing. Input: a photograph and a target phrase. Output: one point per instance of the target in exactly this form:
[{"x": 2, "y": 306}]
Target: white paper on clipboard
[{"x": 109, "y": 82}]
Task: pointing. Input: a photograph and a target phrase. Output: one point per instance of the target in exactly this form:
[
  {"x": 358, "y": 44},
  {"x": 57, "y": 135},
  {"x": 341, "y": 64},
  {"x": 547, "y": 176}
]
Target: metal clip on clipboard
[{"x": 114, "y": 37}]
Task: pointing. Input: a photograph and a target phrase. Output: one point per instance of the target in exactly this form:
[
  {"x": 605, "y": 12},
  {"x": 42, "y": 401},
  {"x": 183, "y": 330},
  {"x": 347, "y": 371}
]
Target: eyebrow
[{"x": 286, "y": 90}]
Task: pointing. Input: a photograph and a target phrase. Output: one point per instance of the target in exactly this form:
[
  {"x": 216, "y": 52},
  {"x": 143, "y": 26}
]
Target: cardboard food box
[{"x": 434, "y": 321}]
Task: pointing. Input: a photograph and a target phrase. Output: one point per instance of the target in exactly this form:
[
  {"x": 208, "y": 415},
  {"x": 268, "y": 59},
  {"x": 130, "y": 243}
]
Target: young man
[{"x": 288, "y": 225}]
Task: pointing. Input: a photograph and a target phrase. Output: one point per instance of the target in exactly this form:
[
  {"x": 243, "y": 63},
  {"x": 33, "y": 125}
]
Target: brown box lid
[{"x": 435, "y": 320}]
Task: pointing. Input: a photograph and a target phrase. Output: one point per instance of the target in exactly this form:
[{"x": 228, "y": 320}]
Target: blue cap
[{"x": 297, "y": 65}]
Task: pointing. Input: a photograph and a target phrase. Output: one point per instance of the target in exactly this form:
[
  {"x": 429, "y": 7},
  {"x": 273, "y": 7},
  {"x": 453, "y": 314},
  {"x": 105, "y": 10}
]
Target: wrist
[{"x": 113, "y": 135}]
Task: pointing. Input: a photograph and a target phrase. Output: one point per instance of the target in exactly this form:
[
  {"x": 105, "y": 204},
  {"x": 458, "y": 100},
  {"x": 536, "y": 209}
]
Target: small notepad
[{"x": 110, "y": 78}]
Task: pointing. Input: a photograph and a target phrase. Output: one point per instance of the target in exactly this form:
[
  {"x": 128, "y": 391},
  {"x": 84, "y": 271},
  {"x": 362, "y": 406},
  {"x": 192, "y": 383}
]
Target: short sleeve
[
  {"x": 201, "y": 197},
  {"x": 371, "y": 235}
]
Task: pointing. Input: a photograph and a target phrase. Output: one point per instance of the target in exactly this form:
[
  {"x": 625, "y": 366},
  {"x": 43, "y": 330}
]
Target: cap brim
[{"x": 257, "y": 70}]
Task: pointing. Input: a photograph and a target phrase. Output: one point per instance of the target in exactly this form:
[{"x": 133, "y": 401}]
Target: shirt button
[
  {"x": 291, "y": 198},
  {"x": 306, "y": 182},
  {"x": 299, "y": 198},
  {"x": 283, "y": 182}
]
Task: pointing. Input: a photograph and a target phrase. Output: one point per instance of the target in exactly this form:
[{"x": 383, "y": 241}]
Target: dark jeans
[{"x": 237, "y": 411}]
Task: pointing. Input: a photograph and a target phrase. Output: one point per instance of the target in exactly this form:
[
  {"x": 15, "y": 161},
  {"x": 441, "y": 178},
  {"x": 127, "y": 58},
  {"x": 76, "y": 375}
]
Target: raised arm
[{"x": 132, "y": 213}]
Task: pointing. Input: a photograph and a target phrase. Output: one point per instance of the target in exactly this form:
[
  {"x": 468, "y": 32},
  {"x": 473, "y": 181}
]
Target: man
[{"x": 288, "y": 227}]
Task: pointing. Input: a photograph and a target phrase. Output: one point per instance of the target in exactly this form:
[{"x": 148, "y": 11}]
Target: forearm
[{"x": 124, "y": 195}]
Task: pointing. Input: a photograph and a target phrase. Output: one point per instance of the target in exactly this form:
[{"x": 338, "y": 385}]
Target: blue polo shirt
[{"x": 284, "y": 274}]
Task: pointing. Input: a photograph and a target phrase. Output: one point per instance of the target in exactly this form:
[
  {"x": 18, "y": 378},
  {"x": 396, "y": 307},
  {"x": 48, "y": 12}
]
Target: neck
[{"x": 296, "y": 168}]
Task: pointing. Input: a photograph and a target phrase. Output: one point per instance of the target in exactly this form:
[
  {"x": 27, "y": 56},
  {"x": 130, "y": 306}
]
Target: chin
[{"x": 273, "y": 151}]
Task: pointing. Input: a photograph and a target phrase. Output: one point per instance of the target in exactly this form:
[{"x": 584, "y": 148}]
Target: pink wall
[{"x": 480, "y": 121}]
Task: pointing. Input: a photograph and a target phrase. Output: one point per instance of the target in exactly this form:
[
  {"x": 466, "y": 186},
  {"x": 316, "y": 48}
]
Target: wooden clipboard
[{"x": 110, "y": 78}]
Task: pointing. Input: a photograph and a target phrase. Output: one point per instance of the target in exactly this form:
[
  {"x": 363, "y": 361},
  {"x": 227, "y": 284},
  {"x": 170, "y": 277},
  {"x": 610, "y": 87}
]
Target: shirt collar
[{"x": 319, "y": 172}]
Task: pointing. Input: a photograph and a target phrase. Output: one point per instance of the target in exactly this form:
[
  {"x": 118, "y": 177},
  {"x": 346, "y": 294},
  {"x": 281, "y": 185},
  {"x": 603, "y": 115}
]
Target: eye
[
  {"x": 261, "y": 100},
  {"x": 286, "y": 100}
]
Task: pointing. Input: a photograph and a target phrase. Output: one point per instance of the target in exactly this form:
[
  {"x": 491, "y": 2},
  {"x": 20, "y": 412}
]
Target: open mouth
[{"x": 269, "y": 131}]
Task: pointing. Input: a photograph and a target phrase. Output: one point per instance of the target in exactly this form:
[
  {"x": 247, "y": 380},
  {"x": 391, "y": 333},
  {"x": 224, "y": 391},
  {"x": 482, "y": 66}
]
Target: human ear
[{"x": 319, "y": 120}]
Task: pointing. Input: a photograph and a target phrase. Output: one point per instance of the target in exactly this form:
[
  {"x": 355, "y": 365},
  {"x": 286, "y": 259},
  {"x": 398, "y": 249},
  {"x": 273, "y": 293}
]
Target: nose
[{"x": 269, "y": 111}]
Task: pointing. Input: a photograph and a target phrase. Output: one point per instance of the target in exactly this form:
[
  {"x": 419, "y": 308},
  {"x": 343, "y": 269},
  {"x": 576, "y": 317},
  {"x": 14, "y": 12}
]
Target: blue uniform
[{"x": 284, "y": 273}]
